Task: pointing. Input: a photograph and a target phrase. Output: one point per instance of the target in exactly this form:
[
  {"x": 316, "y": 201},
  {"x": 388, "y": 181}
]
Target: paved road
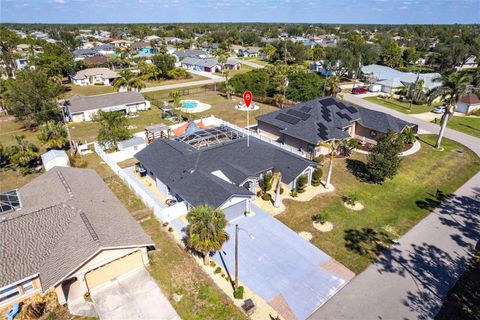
[{"x": 413, "y": 277}]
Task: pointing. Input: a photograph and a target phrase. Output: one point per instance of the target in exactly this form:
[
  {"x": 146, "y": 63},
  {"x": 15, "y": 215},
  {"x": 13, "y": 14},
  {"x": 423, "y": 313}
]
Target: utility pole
[
  {"x": 236, "y": 254},
  {"x": 66, "y": 126}
]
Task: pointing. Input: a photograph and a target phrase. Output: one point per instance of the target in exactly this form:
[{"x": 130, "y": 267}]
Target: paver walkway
[{"x": 413, "y": 277}]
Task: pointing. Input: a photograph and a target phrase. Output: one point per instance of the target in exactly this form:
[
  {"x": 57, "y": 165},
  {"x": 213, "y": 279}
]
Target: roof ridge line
[{"x": 65, "y": 183}]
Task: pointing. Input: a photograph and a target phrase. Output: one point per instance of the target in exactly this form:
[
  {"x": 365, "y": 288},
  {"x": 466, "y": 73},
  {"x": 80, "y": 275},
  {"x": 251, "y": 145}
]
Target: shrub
[
  {"x": 294, "y": 193},
  {"x": 99, "y": 84},
  {"x": 317, "y": 177},
  {"x": 170, "y": 229},
  {"x": 319, "y": 159},
  {"x": 35, "y": 310},
  {"x": 302, "y": 183},
  {"x": 320, "y": 217},
  {"x": 266, "y": 196},
  {"x": 203, "y": 292},
  {"x": 238, "y": 293},
  {"x": 282, "y": 190},
  {"x": 212, "y": 263},
  {"x": 268, "y": 181},
  {"x": 351, "y": 199},
  {"x": 408, "y": 135},
  {"x": 26, "y": 171},
  {"x": 217, "y": 270},
  {"x": 474, "y": 112},
  {"x": 384, "y": 161}
]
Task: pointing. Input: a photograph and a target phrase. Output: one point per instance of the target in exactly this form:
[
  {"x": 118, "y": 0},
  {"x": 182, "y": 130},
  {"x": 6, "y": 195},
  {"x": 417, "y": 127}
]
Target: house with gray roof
[
  {"x": 307, "y": 125},
  {"x": 392, "y": 80},
  {"x": 66, "y": 231},
  {"x": 209, "y": 64},
  {"x": 83, "y": 108},
  {"x": 218, "y": 166}
]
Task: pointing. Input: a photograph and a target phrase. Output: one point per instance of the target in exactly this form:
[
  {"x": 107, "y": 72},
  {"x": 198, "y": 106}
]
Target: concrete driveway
[
  {"x": 134, "y": 296},
  {"x": 294, "y": 277}
]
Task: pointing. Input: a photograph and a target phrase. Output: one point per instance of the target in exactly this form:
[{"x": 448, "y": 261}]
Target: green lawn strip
[
  {"x": 155, "y": 83},
  {"x": 390, "y": 208},
  {"x": 72, "y": 90},
  {"x": 468, "y": 125},
  {"x": 400, "y": 106}
]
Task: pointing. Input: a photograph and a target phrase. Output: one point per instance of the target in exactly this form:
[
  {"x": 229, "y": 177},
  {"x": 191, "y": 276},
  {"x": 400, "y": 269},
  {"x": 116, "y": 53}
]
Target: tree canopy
[{"x": 113, "y": 128}]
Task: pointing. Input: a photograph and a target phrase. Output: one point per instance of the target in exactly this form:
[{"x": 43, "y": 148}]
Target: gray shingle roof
[
  {"x": 104, "y": 72},
  {"x": 326, "y": 119},
  {"x": 66, "y": 217},
  {"x": 84, "y": 103},
  {"x": 188, "y": 171},
  {"x": 190, "y": 53}
]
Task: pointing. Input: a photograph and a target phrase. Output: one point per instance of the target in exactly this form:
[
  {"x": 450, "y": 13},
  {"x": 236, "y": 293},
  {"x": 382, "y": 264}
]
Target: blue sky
[{"x": 313, "y": 11}]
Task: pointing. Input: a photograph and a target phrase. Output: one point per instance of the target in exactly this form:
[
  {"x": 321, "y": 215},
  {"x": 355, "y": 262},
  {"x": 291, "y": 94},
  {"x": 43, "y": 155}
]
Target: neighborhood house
[
  {"x": 83, "y": 108},
  {"x": 218, "y": 166},
  {"x": 307, "y": 125},
  {"x": 66, "y": 231},
  {"x": 208, "y": 64},
  {"x": 94, "y": 76}
]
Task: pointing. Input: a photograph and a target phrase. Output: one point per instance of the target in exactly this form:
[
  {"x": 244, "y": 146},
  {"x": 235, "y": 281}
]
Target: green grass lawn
[
  {"x": 401, "y": 106},
  {"x": 390, "y": 210},
  {"x": 72, "y": 90},
  {"x": 154, "y": 83},
  {"x": 256, "y": 60},
  {"x": 221, "y": 107},
  {"x": 244, "y": 69},
  {"x": 468, "y": 125}
]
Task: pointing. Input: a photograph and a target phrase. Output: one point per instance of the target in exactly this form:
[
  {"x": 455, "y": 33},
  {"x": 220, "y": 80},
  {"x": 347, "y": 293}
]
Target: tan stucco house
[
  {"x": 306, "y": 126},
  {"x": 94, "y": 76},
  {"x": 65, "y": 231}
]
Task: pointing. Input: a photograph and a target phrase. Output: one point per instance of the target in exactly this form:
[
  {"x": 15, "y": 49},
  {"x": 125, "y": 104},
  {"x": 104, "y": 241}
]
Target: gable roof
[
  {"x": 104, "y": 72},
  {"x": 470, "y": 98},
  {"x": 326, "y": 119},
  {"x": 190, "y": 53},
  {"x": 65, "y": 219},
  {"x": 52, "y": 154},
  {"x": 189, "y": 172},
  {"x": 395, "y": 78},
  {"x": 97, "y": 59},
  {"x": 203, "y": 62},
  {"x": 84, "y": 103}
]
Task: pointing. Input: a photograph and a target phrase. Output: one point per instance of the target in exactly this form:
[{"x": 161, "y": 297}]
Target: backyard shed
[{"x": 55, "y": 158}]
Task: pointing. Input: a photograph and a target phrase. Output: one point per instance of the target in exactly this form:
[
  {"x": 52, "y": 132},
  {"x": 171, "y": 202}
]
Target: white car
[{"x": 439, "y": 109}]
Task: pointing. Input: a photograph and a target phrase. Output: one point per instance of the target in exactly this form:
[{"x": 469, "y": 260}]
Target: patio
[{"x": 293, "y": 276}]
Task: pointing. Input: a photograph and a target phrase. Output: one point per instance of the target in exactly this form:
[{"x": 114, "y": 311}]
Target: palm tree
[
  {"x": 52, "y": 134},
  {"x": 175, "y": 96},
  {"x": 206, "y": 230},
  {"x": 331, "y": 86},
  {"x": 23, "y": 152},
  {"x": 332, "y": 145},
  {"x": 129, "y": 81},
  {"x": 454, "y": 85}
]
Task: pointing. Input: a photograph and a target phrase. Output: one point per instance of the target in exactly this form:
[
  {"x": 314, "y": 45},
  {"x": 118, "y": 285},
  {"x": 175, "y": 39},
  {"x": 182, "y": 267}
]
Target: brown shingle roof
[
  {"x": 95, "y": 60},
  {"x": 470, "y": 98},
  {"x": 67, "y": 216}
]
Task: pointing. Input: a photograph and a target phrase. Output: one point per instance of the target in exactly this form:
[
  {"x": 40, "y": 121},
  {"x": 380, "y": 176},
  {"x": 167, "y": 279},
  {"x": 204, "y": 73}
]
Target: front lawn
[
  {"x": 390, "y": 210},
  {"x": 401, "y": 106},
  {"x": 72, "y": 90},
  {"x": 468, "y": 125}
]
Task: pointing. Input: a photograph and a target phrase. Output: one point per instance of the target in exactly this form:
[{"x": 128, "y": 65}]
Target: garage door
[
  {"x": 235, "y": 210},
  {"x": 113, "y": 269}
]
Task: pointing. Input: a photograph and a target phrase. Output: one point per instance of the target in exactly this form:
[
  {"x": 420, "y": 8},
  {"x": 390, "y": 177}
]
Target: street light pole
[{"x": 236, "y": 256}]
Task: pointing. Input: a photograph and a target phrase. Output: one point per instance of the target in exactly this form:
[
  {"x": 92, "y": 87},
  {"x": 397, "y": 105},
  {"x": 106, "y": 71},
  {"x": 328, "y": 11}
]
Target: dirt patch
[
  {"x": 306, "y": 235},
  {"x": 325, "y": 227},
  {"x": 356, "y": 207}
]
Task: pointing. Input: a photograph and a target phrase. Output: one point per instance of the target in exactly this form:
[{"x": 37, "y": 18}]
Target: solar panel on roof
[
  {"x": 322, "y": 131},
  {"x": 305, "y": 109},
  {"x": 326, "y": 114},
  {"x": 351, "y": 109},
  {"x": 327, "y": 102},
  {"x": 298, "y": 114},
  {"x": 9, "y": 200},
  {"x": 344, "y": 116},
  {"x": 286, "y": 118}
]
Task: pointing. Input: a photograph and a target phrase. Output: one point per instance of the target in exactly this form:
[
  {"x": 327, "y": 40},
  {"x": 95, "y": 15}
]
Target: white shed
[{"x": 55, "y": 158}]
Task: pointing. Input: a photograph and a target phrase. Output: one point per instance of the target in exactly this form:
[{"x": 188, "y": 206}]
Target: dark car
[{"x": 359, "y": 90}]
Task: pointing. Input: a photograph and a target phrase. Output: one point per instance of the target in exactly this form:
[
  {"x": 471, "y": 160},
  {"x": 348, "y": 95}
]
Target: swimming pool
[{"x": 189, "y": 104}]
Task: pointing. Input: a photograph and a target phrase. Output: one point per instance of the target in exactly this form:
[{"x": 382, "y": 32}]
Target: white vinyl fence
[{"x": 164, "y": 214}]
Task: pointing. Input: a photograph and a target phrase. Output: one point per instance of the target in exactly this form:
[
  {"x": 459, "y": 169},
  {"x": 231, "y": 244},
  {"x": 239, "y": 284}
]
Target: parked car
[
  {"x": 439, "y": 109},
  {"x": 359, "y": 90}
]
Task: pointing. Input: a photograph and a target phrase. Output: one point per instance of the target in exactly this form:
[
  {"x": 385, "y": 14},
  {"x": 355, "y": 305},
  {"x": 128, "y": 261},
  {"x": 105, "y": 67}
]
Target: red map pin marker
[{"x": 247, "y": 98}]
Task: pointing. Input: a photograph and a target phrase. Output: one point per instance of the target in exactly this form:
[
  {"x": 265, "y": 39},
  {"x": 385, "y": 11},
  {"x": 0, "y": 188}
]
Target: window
[
  {"x": 8, "y": 293},
  {"x": 27, "y": 285}
]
